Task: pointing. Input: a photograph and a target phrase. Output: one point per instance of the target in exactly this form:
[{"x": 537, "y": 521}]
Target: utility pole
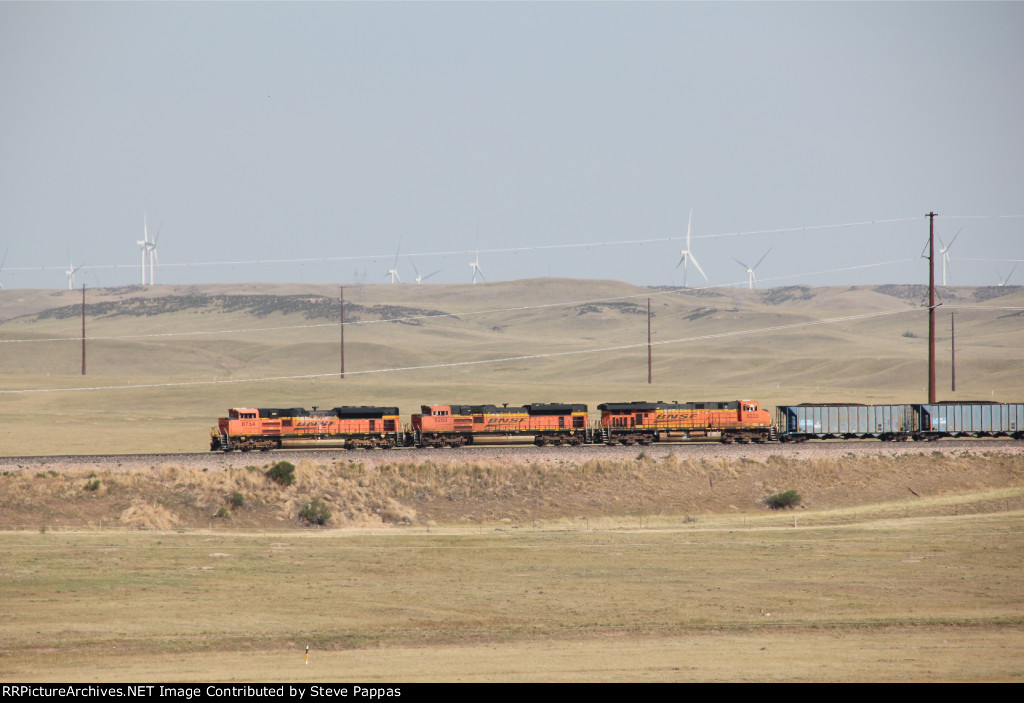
[
  {"x": 952, "y": 345},
  {"x": 83, "y": 329},
  {"x": 650, "y": 369},
  {"x": 341, "y": 299},
  {"x": 931, "y": 307}
]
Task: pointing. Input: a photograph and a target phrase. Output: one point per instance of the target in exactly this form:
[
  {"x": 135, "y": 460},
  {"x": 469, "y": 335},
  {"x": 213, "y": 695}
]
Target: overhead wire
[
  {"x": 477, "y": 362},
  {"x": 500, "y": 250}
]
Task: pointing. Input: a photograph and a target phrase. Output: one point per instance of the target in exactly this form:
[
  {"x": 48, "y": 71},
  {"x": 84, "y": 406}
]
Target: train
[{"x": 621, "y": 423}]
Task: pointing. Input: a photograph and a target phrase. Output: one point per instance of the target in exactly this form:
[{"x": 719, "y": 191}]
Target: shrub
[
  {"x": 223, "y": 512},
  {"x": 316, "y": 512},
  {"x": 786, "y": 499},
  {"x": 92, "y": 485},
  {"x": 283, "y": 472},
  {"x": 236, "y": 500}
]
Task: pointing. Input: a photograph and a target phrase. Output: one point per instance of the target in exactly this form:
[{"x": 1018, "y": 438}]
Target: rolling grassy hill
[{"x": 164, "y": 362}]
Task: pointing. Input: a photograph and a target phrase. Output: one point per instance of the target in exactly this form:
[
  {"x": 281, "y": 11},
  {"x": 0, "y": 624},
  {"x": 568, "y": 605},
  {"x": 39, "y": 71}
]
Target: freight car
[
  {"x": 975, "y": 419},
  {"x": 246, "y": 429},
  {"x": 643, "y": 423},
  {"x": 457, "y": 425},
  {"x": 799, "y": 423},
  {"x": 915, "y": 421}
]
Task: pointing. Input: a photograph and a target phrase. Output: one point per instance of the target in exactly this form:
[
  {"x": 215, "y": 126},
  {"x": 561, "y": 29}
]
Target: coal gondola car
[
  {"x": 459, "y": 425},
  {"x": 722, "y": 421},
  {"x": 799, "y": 423},
  {"x": 350, "y": 427},
  {"x": 973, "y": 419}
]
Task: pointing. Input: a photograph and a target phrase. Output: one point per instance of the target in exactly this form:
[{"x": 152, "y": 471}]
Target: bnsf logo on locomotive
[{"x": 501, "y": 421}]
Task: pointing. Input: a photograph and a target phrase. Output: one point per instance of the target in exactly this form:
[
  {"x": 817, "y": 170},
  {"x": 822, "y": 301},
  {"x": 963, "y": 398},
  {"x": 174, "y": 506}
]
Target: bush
[
  {"x": 283, "y": 472},
  {"x": 316, "y": 512},
  {"x": 236, "y": 500},
  {"x": 92, "y": 485},
  {"x": 786, "y": 499}
]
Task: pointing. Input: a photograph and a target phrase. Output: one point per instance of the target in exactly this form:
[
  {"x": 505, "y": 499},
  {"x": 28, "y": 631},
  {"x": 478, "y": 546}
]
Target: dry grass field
[
  {"x": 165, "y": 362},
  {"x": 654, "y": 566},
  {"x": 650, "y": 569},
  {"x": 893, "y": 598}
]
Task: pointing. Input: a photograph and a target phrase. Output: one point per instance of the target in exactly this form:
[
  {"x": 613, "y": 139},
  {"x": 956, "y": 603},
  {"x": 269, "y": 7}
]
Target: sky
[{"x": 540, "y": 139}]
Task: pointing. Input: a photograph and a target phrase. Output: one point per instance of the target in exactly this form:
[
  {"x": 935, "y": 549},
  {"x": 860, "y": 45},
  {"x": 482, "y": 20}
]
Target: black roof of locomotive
[
  {"x": 363, "y": 411},
  {"x": 643, "y": 406},
  {"x": 530, "y": 409},
  {"x": 282, "y": 412}
]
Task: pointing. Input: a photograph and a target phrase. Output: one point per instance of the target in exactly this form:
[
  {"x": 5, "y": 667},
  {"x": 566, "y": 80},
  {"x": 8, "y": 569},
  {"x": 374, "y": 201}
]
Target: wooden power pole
[
  {"x": 341, "y": 299},
  {"x": 83, "y": 329},
  {"x": 931, "y": 307},
  {"x": 650, "y": 356}
]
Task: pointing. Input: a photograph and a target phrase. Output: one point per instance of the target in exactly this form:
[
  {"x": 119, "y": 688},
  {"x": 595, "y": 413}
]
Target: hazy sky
[{"x": 270, "y": 131}]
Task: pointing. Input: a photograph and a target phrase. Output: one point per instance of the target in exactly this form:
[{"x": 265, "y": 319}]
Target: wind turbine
[
  {"x": 70, "y": 273},
  {"x": 475, "y": 265},
  {"x": 144, "y": 246},
  {"x": 944, "y": 251},
  {"x": 2, "y": 262},
  {"x": 148, "y": 248},
  {"x": 687, "y": 256},
  {"x": 1002, "y": 281},
  {"x": 153, "y": 263},
  {"x": 751, "y": 279},
  {"x": 393, "y": 271},
  {"x": 419, "y": 278}
]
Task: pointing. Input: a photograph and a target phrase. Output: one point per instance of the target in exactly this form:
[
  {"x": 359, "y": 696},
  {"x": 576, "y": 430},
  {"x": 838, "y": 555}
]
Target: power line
[
  {"x": 416, "y": 318},
  {"x": 480, "y": 362},
  {"x": 502, "y": 250}
]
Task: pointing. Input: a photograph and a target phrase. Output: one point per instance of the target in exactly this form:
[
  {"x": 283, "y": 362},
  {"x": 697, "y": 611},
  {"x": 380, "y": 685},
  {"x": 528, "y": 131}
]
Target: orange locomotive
[
  {"x": 457, "y": 425},
  {"x": 643, "y": 423},
  {"x": 270, "y": 428}
]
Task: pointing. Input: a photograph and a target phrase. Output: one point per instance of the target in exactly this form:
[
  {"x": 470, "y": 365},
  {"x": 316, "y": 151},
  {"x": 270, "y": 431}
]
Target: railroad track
[{"x": 507, "y": 453}]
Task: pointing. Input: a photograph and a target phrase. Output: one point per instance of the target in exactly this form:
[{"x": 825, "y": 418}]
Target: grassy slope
[{"x": 868, "y": 360}]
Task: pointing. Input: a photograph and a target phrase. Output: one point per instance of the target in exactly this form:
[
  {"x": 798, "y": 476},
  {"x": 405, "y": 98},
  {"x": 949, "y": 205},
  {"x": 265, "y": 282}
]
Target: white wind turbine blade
[
  {"x": 686, "y": 255},
  {"x": 144, "y": 245},
  {"x": 694, "y": 260},
  {"x": 70, "y": 273},
  {"x": 749, "y": 270},
  {"x": 393, "y": 271},
  {"x": 1004, "y": 281},
  {"x": 751, "y": 276},
  {"x": 420, "y": 278},
  {"x": 944, "y": 251},
  {"x": 762, "y": 258},
  {"x": 475, "y": 264},
  {"x": 685, "y": 262}
]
